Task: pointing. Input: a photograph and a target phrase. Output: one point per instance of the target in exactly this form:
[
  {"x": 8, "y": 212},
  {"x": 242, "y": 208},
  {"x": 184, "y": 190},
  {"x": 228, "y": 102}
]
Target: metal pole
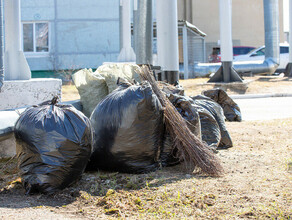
[
  {"x": 121, "y": 24},
  {"x": 185, "y": 52},
  {"x": 144, "y": 49},
  {"x": 1, "y": 46},
  {"x": 204, "y": 50},
  {"x": 127, "y": 53},
  {"x": 167, "y": 39},
  {"x": 288, "y": 70},
  {"x": 272, "y": 37},
  {"x": 135, "y": 24},
  {"x": 290, "y": 31}
]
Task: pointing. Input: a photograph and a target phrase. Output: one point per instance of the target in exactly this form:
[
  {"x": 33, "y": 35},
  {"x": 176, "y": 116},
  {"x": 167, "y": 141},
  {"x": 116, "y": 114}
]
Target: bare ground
[
  {"x": 257, "y": 184},
  {"x": 251, "y": 85}
]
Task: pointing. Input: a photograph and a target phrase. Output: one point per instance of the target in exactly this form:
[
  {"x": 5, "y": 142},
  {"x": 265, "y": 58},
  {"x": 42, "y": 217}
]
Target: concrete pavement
[{"x": 264, "y": 107}]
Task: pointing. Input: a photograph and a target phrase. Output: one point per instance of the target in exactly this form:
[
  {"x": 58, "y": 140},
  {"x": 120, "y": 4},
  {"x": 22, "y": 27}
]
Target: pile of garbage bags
[
  {"x": 130, "y": 136},
  {"x": 125, "y": 132}
]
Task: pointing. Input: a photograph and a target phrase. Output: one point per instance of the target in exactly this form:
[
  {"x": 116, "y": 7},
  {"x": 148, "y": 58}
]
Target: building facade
[
  {"x": 69, "y": 34},
  {"x": 74, "y": 34}
]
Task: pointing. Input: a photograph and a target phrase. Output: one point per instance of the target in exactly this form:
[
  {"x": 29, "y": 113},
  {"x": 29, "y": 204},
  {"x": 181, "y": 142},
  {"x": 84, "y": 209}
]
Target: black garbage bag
[
  {"x": 210, "y": 130},
  {"x": 188, "y": 111},
  {"x": 230, "y": 108},
  {"x": 128, "y": 130},
  {"x": 170, "y": 89},
  {"x": 212, "y": 120},
  {"x": 54, "y": 144},
  {"x": 201, "y": 113}
]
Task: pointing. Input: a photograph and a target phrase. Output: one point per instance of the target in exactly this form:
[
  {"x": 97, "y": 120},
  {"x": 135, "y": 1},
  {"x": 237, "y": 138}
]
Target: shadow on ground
[
  {"x": 274, "y": 79},
  {"x": 12, "y": 194}
]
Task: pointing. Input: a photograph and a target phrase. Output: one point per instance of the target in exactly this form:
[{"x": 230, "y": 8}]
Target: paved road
[{"x": 265, "y": 108}]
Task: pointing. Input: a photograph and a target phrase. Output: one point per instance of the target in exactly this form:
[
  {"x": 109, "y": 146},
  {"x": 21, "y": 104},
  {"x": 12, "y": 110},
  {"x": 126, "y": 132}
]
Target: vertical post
[
  {"x": 204, "y": 50},
  {"x": 272, "y": 37},
  {"x": 290, "y": 31},
  {"x": 127, "y": 53},
  {"x": 121, "y": 24},
  {"x": 226, "y": 38},
  {"x": 1, "y": 46},
  {"x": 167, "y": 39},
  {"x": 135, "y": 24},
  {"x": 144, "y": 49},
  {"x": 16, "y": 66},
  {"x": 56, "y": 47},
  {"x": 225, "y": 30},
  {"x": 285, "y": 9},
  {"x": 226, "y": 73},
  {"x": 185, "y": 52},
  {"x": 288, "y": 70}
]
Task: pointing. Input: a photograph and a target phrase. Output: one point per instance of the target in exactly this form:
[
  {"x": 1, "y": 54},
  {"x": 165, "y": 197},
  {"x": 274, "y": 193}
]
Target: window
[
  {"x": 35, "y": 37},
  {"x": 241, "y": 50},
  {"x": 284, "y": 49},
  {"x": 260, "y": 52}
]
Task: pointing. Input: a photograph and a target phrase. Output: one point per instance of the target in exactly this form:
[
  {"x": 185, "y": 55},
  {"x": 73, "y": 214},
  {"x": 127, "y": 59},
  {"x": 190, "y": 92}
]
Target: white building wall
[{"x": 82, "y": 33}]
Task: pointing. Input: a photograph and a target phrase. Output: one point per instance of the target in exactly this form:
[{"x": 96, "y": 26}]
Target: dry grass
[
  {"x": 257, "y": 184},
  {"x": 69, "y": 93},
  {"x": 256, "y": 84}
]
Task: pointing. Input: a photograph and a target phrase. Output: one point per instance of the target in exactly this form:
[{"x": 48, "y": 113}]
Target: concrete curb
[{"x": 255, "y": 96}]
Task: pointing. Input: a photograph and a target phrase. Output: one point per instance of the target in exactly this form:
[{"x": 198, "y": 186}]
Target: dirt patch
[
  {"x": 252, "y": 85},
  {"x": 69, "y": 93},
  {"x": 257, "y": 184},
  {"x": 257, "y": 181}
]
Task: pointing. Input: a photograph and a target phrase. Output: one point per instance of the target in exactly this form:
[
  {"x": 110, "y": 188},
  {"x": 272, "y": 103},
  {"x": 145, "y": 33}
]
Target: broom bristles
[{"x": 190, "y": 148}]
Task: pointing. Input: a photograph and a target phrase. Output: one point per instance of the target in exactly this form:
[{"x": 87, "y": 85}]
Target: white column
[
  {"x": 127, "y": 53},
  {"x": 16, "y": 66},
  {"x": 225, "y": 13},
  {"x": 167, "y": 35},
  {"x": 290, "y": 31},
  {"x": 135, "y": 5}
]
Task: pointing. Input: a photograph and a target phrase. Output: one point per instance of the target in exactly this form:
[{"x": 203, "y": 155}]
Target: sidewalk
[
  {"x": 264, "y": 106},
  {"x": 254, "y": 96}
]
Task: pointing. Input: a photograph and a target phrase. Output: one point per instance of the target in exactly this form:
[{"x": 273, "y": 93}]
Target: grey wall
[{"x": 82, "y": 33}]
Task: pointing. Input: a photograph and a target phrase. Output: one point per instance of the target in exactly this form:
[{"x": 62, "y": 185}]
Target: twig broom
[{"x": 191, "y": 150}]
